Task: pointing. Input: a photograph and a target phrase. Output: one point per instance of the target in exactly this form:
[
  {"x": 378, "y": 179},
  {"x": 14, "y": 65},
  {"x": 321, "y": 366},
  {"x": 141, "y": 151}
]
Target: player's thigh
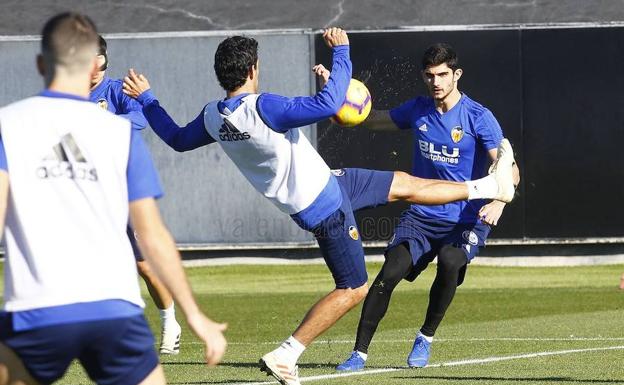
[
  {"x": 156, "y": 377},
  {"x": 341, "y": 247},
  {"x": 12, "y": 370},
  {"x": 365, "y": 188}
]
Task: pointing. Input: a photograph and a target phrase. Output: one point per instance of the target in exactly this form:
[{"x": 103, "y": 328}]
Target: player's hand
[
  {"x": 135, "y": 84},
  {"x": 491, "y": 212},
  {"x": 335, "y": 36},
  {"x": 322, "y": 72},
  {"x": 211, "y": 333}
]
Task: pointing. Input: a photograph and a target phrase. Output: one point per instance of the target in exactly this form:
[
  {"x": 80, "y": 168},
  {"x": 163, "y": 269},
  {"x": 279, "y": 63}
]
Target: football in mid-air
[{"x": 356, "y": 107}]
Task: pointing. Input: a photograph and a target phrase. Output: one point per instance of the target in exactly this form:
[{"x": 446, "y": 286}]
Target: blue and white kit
[
  {"x": 260, "y": 133},
  {"x": 81, "y": 166}
]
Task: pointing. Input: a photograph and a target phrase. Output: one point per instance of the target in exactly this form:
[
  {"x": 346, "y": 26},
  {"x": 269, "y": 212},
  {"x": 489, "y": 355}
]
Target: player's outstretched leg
[
  {"x": 502, "y": 169},
  {"x": 498, "y": 185}
]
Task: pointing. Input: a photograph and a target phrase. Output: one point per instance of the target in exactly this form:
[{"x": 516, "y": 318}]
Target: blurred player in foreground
[
  {"x": 457, "y": 138},
  {"x": 70, "y": 175},
  {"x": 108, "y": 94},
  {"x": 259, "y": 132}
]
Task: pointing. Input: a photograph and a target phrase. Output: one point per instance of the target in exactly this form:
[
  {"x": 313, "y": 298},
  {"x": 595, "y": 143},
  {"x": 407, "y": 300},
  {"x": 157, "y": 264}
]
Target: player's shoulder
[
  {"x": 475, "y": 109},
  {"x": 20, "y": 105},
  {"x": 116, "y": 84},
  {"x": 420, "y": 101},
  {"x": 107, "y": 117}
]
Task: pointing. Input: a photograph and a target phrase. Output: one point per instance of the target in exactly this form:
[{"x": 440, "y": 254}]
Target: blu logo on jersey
[{"x": 428, "y": 150}]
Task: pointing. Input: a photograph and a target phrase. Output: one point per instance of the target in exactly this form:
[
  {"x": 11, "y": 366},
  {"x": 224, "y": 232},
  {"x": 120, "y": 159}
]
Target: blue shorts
[
  {"x": 426, "y": 236},
  {"x": 338, "y": 235},
  {"x": 135, "y": 246},
  {"x": 113, "y": 352}
]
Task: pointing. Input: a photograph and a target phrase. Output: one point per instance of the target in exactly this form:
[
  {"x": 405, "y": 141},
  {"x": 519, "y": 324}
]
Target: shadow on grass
[{"x": 514, "y": 379}]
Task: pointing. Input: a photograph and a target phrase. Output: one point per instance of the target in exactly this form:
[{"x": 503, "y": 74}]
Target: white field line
[
  {"x": 438, "y": 340},
  {"x": 443, "y": 364}
]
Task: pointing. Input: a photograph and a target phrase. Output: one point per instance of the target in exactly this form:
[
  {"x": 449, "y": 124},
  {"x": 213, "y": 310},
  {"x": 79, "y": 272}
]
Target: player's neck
[
  {"x": 72, "y": 86},
  {"x": 443, "y": 105},
  {"x": 95, "y": 85},
  {"x": 247, "y": 88}
]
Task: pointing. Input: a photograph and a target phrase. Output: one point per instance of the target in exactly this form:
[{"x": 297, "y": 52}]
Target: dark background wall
[
  {"x": 557, "y": 95},
  {"x": 24, "y": 17}
]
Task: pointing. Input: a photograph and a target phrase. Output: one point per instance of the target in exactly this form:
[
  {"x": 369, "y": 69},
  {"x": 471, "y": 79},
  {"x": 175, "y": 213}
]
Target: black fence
[{"x": 557, "y": 93}]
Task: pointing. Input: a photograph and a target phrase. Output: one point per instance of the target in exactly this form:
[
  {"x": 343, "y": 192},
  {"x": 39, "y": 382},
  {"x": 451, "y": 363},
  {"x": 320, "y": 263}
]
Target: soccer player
[
  {"x": 455, "y": 139},
  {"x": 259, "y": 132},
  {"x": 108, "y": 94},
  {"x": 70, "y": 176}
]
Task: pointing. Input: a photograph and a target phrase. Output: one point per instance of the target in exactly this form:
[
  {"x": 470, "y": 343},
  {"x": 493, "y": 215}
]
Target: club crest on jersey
[
  {"x": 457, "y": 133},
  {"x": 103, "y": 103},
  {"x": 338, "y": 171},
  {"x": 471, "y": 237},
  {"x": 353, "y": 233}
]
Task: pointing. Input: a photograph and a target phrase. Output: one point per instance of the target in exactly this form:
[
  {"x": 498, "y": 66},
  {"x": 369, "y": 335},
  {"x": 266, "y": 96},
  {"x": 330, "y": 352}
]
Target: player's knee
[
  {"x": 399, "y": 189},
  {"x": 451, "y": 259},
  {"x": 358, "y": 294}
]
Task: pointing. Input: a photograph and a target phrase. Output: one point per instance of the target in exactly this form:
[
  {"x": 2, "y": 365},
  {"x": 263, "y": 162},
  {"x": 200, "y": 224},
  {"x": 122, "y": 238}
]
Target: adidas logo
[
  {"x": 423, "y": 127},
  {"x": 229, "y": 133},
  {"x": 66, "y": 161}
]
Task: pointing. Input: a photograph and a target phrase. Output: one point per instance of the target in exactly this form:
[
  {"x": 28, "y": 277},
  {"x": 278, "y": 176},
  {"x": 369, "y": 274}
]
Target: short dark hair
[
  {"x": 234, "y": 58},
  {"x": 103, "y": 50},
  {"x": 440, "y": 53},
  {"x": 69, "y": 40}
]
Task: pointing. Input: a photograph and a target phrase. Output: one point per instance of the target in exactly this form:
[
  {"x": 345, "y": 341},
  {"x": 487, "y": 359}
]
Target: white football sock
[
  {"x": 289, "y": 351},
  {"x": 363, "y": 355},
  {"x": 167, "y": 316},
  {"x": 484, "y": 188},
  {"x": 427, "y": 338}
]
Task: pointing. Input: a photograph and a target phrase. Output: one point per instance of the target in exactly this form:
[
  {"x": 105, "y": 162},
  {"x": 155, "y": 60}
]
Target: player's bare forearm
[
  {"x": 408, "y": 188},
  {"x": 4, "y": 198}
]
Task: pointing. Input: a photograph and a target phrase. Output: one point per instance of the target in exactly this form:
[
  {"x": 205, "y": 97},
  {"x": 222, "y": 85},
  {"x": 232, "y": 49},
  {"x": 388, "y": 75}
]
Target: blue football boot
[
  {"x": 355, "y": 362},
  {"x": 419, "y": 356}
]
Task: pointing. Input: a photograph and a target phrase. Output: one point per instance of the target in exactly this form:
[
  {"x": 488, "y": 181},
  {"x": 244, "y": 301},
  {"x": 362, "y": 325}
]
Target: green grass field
[{"x": 525, "y": 326}]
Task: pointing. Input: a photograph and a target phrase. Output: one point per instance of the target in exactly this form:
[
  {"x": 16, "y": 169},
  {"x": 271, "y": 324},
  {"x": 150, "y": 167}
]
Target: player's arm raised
[
  {"x": 282, "y": 113},
  {"x": 377, "y": 120},
  {"x": 186, "y": 138}
]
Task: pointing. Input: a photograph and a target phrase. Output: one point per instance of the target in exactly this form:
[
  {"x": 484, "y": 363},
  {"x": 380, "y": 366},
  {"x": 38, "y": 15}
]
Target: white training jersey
[
  {"x": 284, "y": 167},
  {"x": 68, "y": 206}
]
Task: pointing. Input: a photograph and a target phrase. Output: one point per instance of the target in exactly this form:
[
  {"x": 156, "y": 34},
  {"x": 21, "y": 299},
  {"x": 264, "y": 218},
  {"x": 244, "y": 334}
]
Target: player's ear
[
  {"x": 458, "y": 73},
  {"x": 253, "y": 71},
  {"x": 40, "y": 65}
]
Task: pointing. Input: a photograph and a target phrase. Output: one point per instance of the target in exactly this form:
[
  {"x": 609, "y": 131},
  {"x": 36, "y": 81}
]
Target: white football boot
[
  {"x": 170, "y": 338},
  {"x": 286, "y": 375},
  {"x": 502, "y": 170}
]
